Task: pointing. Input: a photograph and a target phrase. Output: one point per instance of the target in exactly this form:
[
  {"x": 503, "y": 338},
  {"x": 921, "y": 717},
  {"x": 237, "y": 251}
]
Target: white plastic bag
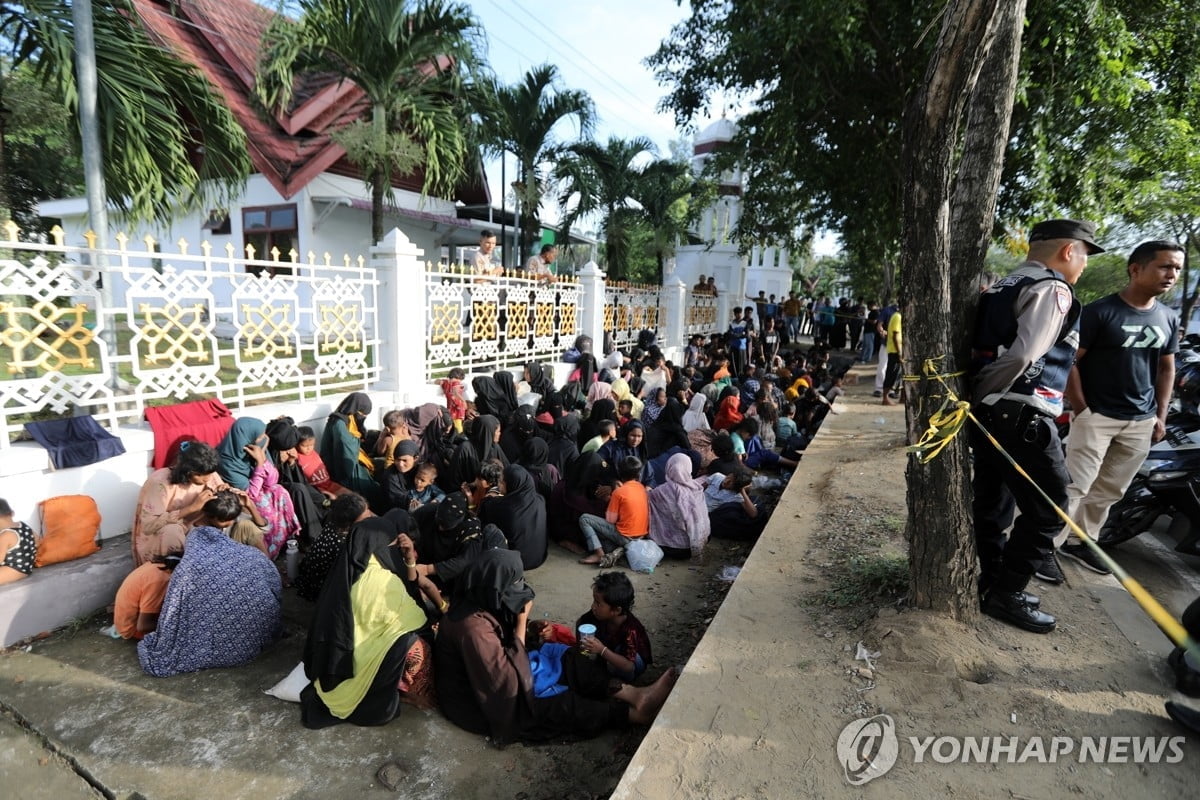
[
  {"x": 289, "y": 688},
  {"x": 643, "y": 554}
]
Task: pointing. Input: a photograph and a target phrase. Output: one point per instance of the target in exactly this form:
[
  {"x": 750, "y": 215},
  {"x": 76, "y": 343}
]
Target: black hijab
[
  {"x": 282, "y": 434},
  {"x": 564, "y": 447},
  {"x": 496, "y": 395},
  {"x": 483, "y": 440},
  {"x": 521, "y": 515},
  {"x": 520, "y": 429},
  {"x": 585, "y": 474},
  {"x": 540, "y": 383},
  {"x": 667, "y": 431},
  {"x": 427, "y": 424},
  {"x": 329, "y": 650},
  {"x": 605, "y": 408},
  {"x": 535, "y": 458},
  {"x": 354, "y": 404},
  {"x": 495, "y": 583}
]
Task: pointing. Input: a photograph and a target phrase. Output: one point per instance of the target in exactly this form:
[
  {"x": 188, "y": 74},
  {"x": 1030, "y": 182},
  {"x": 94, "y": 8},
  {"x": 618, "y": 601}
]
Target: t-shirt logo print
[
  {"x": 868, "y": 748},
  {"x": 1151, "y": 336}
]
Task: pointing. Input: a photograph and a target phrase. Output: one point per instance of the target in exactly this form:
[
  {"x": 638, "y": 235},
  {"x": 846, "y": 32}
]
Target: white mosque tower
[{"x": 765, "y": 269}]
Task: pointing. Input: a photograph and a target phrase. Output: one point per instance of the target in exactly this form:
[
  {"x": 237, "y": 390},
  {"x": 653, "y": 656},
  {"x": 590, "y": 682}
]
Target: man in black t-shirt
[{"x": 1119, "y": 390}]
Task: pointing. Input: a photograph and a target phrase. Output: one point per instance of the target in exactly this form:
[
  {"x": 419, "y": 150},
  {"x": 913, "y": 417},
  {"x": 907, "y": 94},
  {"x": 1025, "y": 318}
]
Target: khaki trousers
[{"x": 1103, "y": 456}]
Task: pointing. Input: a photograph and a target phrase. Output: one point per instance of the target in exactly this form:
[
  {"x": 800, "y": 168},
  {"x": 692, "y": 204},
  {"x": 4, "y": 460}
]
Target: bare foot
[
  {"x": 567, "y": 544},
  {"x": 887, "y": 401},
  {"x": 593, "y": 559},
  {"x": 646, "y": 701}
]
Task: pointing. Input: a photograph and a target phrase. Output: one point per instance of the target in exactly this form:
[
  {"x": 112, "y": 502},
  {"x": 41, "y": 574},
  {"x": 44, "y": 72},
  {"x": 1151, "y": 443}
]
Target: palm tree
[
  {"x": 521, "y": 119},
  {"x": 603, "y": 179},
  {"x": 167, "y": 139},
  {"x": 411, "y": 59},
  {"x": 670, "y": 199}
]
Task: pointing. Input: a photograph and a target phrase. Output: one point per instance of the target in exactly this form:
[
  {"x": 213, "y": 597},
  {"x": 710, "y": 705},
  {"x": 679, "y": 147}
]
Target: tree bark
[{"x": 942, "y": 553}]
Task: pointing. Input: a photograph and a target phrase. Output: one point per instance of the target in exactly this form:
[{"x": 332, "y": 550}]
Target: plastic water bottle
[{"x": 293, "y": 560}]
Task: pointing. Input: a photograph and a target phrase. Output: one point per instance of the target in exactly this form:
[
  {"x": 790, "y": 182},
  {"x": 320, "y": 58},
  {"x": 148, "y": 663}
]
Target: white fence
[
  {"x": 629, "y": 309},
  {"x": 497, "y": 322},
  {"x": 175, "y": 327},
  {"x": 170, "y": 328}
]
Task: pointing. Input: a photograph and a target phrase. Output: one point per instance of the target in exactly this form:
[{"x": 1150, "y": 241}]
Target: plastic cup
[{"x": 586, "y": 629}]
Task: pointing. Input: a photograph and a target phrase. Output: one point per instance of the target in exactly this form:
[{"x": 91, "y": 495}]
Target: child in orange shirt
[{"x": 627, "y": 517}]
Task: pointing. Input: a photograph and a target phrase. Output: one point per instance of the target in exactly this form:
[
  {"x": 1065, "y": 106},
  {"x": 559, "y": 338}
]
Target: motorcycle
[{"x": 1168, "y": 482}]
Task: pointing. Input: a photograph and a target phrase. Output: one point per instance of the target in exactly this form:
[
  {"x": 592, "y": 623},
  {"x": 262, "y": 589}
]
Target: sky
[{"x": 598, "y": 46}]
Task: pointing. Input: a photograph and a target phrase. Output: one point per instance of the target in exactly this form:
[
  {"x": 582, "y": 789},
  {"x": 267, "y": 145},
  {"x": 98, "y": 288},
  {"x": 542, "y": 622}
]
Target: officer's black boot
[
  {"x": 985, "y": 585},
  {"x": 1007, "y": 601}
]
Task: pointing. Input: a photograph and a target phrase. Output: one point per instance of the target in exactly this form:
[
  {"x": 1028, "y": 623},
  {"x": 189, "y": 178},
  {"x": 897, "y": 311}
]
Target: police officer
[{"x": 1025, "y": 339}]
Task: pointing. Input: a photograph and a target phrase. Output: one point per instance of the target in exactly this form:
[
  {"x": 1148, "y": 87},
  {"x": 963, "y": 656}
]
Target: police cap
[{"x": 1080, "y": 230}]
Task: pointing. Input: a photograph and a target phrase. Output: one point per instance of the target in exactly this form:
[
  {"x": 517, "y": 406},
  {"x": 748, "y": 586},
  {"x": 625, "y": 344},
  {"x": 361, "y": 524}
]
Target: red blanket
[{"x": 202, "y": 420}]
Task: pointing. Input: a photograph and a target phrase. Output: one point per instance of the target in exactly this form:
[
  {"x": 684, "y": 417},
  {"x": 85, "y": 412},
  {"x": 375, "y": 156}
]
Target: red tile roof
[{"x": 290, "y": 148}]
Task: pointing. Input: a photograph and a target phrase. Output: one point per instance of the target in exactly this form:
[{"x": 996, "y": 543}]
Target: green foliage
[
  {"x": 41, "y": 161},
  {"x": 1104, "y": 126},
  {"x": 1104, "y": 275},
  {"x": 603, "y": 179},
  {"x": 167, "y": 139},
  {"x": 412, "y": 60}
]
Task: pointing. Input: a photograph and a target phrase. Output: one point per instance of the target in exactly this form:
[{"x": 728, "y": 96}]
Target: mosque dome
[{"x": 719, "y": 131}]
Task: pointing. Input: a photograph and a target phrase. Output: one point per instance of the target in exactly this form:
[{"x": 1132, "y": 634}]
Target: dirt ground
[
  {"x": 776, "y": 679},
  {"x": 76, "y": 712}
]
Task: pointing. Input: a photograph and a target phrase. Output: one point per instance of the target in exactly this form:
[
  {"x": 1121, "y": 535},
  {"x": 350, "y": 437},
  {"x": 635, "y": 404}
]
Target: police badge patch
[{"x": 1063, "y": 298}]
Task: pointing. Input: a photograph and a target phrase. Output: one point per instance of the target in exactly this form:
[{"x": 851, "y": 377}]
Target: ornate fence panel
[
  {"x": 478, "y": 322},
  {"x": 629, "y": 309},
  {"x": 174, "y": 327},
  {"x": 700, "y": 315}
]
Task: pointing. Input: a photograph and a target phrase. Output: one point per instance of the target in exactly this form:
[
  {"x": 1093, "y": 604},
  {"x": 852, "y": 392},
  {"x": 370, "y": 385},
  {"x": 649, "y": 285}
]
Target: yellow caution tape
[{"x": 944, "y": 425}]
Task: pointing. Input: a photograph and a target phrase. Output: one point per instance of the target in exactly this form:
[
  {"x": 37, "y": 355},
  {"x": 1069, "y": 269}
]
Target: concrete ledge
[{"x": 53, "y": 596}]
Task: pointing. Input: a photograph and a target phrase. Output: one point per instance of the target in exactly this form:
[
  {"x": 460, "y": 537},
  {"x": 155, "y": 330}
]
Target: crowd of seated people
[{"x": 416, "y": 539}]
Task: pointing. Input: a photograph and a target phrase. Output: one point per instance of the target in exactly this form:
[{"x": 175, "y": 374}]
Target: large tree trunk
[{"x": 939, "y": 519}]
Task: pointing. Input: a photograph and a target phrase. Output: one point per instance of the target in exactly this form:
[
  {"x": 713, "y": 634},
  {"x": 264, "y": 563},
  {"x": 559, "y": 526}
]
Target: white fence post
[
  {"x": 724, "y": 308},
  {"x": 591, "y": 305},
  {"x": 401, "y": 272},
  {"x": 674, "y": 301}
]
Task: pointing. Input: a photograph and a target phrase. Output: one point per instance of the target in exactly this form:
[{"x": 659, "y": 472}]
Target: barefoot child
[
  {"x": 621, "y": 640},
  {"x": 627, "y": 517},
  {"x": 140, "y": 598}
]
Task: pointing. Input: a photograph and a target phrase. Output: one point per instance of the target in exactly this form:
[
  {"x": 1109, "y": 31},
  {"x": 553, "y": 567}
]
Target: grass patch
[{"x": 876, "y": 579}]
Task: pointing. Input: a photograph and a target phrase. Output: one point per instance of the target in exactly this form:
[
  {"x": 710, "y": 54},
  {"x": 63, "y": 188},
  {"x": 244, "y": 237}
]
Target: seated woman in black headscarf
[
  {"x": 450, "y": 538},
  {"x": 484, "y": 681},
  {"x": 539, "y": 380},
  {"x": 630, "y": 441},
  {"x": 341, "y": 447},
  {"x": 564, "y": 444},
  {"x": 582, "y": 491},
  {"x": 519, "y": 430},
  {"x": 470, "y": 454},
  {"x": 667, "y": 431},
  {"x": 496, "y": 395},
  {"x": 535, "y": 458},
  {"x": 520, "y": 514},
  {"x": 364, "y": 651}
]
